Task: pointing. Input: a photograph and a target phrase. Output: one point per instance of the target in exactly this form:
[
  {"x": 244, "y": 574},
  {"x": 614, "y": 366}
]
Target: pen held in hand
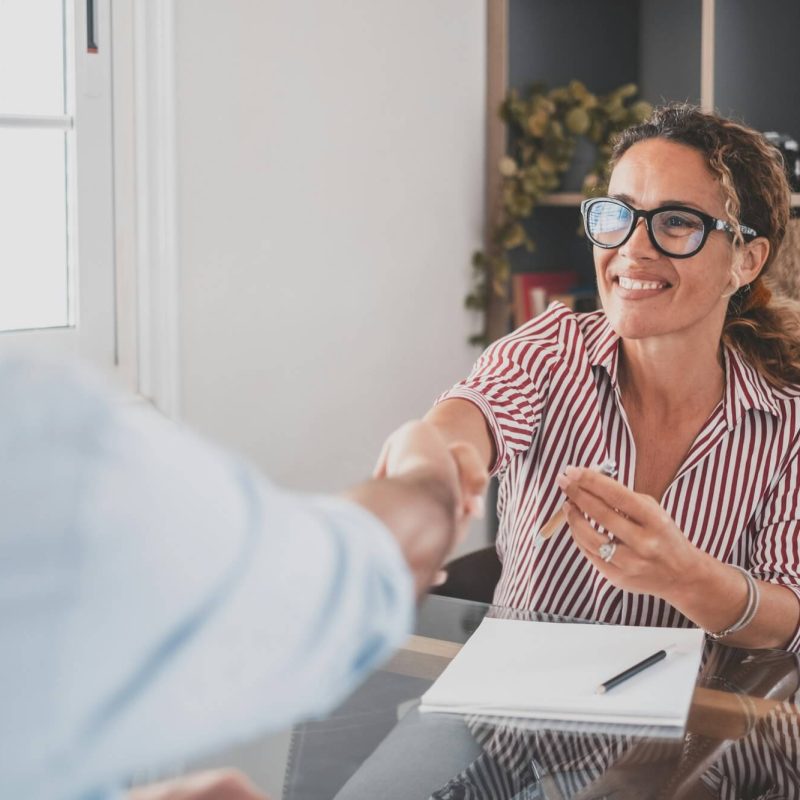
[
  {"x": 608, "y": 468},
  {"x": 634, "y": 670}
]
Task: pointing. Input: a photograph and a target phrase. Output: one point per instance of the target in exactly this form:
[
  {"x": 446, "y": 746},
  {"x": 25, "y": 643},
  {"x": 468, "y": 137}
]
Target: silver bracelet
[{"x": 750, "y": 609}]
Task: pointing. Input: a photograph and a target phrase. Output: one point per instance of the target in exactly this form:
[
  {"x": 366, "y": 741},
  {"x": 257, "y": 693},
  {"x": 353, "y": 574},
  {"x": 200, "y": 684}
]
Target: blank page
[{"x": 547, "y": 670}]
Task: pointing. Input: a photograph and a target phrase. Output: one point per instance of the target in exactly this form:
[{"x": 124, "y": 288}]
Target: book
[
  {"x": 551, "y": 671},
  {"x": 531, "y": 291},
  {"x": 580, "y": 300}
]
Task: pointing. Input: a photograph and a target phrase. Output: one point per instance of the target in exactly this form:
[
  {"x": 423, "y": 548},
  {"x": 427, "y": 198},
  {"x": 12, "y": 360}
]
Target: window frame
[
  {"x": 145, "y": 196},
  {"x": 90, "y": 331},
  {"x": 124, "y": 201}
]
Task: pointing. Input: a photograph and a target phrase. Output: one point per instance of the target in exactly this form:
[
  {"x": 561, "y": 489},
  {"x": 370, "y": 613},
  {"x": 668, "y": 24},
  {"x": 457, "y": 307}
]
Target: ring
[{"x": 606, "y": 551}]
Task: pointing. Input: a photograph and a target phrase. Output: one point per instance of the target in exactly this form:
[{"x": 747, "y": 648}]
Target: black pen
[{"x": 634, "y": 670}]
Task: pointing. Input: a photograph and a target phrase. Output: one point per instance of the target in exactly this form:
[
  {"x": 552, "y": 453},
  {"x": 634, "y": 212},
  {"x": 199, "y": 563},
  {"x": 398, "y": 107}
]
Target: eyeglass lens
[{"x": 676, "y": 232}]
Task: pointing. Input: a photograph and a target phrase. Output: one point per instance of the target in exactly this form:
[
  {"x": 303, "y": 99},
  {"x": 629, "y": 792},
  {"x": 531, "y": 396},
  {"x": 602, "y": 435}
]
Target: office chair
[{"x": 472, "y": 577}]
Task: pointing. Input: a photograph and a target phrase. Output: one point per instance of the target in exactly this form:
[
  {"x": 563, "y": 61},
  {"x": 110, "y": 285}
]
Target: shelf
[
  {"x": 564, "y": 199},
  {"x": 576, "y": 198}
]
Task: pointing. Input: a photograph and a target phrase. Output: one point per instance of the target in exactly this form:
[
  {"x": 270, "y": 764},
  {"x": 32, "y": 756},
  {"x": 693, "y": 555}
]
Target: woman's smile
[{"x": 639, "y": 288}]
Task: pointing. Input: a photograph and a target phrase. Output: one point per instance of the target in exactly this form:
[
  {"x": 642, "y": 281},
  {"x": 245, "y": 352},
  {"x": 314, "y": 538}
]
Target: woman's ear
[{"x": 754, "y": 256}]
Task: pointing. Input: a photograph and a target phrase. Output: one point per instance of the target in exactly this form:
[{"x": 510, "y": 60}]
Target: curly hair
[{"x": 765, "y": 329}]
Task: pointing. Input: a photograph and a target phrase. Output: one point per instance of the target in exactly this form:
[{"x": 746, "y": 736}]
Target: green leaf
[
  {"x": 577, "y": 121},
  {"x": 543, "y": 125}
]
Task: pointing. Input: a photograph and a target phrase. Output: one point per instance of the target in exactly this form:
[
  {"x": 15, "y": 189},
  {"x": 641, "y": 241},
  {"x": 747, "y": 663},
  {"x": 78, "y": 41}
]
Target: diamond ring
[{"x": 606, "y": 551}]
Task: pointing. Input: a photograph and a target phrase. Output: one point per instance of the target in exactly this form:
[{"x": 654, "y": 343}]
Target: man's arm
[
  {"x": 217, "y": 784},
  {"x": 428, "y": 502},
  {"x": 418, "y": 508},
  {"x": 209, "y": 605}
]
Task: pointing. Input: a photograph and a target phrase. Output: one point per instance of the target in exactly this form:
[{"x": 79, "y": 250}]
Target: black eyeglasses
[{"x": 675, "y": 231}]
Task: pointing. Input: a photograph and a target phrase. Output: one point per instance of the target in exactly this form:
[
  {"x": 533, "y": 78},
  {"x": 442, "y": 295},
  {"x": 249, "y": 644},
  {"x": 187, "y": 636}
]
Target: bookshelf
[
  {"x": 706, "y": 51},
  {"x": 562, "y": 199},
  {"x": 569, "y": 199}
]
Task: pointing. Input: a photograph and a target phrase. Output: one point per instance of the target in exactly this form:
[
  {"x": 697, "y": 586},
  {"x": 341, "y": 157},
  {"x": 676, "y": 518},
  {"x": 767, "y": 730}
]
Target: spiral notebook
[{"x": 551, "y": 671}]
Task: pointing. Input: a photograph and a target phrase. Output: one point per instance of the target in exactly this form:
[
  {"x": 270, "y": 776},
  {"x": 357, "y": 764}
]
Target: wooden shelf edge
[
  {"x": 576, "y": 198},
  {"x": 562, "y": 199}
]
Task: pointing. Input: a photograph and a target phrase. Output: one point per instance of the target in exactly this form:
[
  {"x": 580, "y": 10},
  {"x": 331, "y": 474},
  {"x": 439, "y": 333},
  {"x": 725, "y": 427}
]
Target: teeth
[{"x": 627, "y": 283}]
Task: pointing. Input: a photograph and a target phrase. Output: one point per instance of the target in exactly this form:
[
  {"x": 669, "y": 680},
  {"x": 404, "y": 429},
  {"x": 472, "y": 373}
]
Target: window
[
  {"x": 56, "y": 192},
  {"x": 88, "y": 243}
]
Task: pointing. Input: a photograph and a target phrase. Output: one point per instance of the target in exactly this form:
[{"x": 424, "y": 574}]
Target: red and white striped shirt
[{"x": 550, "y": 395}]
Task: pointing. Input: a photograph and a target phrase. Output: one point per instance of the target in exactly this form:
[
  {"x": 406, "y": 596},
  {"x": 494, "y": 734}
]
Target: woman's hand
[
  {"x": 419, "y": 445},
  {"x": 652, "y": 555}
]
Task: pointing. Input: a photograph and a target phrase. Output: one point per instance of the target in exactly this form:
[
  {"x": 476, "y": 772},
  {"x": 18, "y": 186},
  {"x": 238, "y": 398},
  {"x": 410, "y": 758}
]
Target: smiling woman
[
  {"x": 689, "y": 379},
  {"x": 737, "y": 172}
]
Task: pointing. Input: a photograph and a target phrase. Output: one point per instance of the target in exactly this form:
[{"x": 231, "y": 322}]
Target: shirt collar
[
  {"x": 745, "y": 388},
  {"x": 602, "y": 347}
]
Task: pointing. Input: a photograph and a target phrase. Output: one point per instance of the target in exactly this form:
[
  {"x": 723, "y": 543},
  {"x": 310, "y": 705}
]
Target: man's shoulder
[{"x": 43, "y": 401}]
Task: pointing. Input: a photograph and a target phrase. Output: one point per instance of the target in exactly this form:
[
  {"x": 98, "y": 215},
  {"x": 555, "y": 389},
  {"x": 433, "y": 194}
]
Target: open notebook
[{"x": 550, "y": 671}]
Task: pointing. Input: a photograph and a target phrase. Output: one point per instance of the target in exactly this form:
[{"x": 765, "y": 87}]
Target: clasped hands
[
  {"x": 652, "y": 555},
  {"x": 419, "y": 450}
]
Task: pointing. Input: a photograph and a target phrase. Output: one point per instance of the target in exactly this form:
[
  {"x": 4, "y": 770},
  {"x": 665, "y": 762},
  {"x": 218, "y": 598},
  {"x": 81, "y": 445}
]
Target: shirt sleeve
[
  {"x": 775, "y": 554},
  {"x": 197, "y": 603},
  {"x": 509, "y": 381}
]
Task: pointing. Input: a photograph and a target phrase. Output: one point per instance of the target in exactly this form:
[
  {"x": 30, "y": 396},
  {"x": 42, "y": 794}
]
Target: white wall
[{"x": 330, "y": 196}]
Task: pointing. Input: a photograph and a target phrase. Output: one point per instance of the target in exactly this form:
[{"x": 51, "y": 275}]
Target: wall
[
  {"x": 330, "y": 196},
  {"x": 669, "y": 50},
  {"x": 554, "y": 42},
  {"x": 757, "y": 63}
]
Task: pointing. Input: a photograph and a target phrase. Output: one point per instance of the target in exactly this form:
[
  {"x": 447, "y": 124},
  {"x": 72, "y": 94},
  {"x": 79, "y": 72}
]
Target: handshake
[{"x": 426, "y": 490}]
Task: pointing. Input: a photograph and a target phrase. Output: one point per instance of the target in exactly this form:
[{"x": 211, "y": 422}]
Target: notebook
[{"x": 551, "y": 671}]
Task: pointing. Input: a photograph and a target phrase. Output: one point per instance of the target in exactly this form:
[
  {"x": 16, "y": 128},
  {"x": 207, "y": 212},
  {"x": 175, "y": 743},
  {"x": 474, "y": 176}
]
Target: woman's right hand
[{"x": 420, "y": 445}]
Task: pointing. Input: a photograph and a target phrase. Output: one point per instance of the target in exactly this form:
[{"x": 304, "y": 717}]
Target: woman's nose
[{"x": 639, "y": 245}]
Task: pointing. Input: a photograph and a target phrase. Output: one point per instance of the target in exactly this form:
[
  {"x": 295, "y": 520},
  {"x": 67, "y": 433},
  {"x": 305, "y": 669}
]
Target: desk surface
[{"x": 742, "y": 737}]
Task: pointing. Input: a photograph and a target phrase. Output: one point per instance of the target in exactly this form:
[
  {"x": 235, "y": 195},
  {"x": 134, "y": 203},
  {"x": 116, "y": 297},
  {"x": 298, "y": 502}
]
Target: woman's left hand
[{"x": 652, "y": 555}]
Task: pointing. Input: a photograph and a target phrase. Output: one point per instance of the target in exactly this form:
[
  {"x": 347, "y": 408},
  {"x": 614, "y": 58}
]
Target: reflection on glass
[
  {"x": 33, "y": 229},
  {"x": 31, "y": 57},
  {"x": 742, "y": 738}
]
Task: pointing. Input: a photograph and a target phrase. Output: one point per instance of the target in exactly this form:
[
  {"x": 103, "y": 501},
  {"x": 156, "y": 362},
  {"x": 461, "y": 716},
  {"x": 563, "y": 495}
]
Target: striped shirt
[{"x": 550, "y": 394}]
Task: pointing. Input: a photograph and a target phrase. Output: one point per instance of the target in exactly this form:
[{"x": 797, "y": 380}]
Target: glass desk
[{"x": 742, "y": 737}]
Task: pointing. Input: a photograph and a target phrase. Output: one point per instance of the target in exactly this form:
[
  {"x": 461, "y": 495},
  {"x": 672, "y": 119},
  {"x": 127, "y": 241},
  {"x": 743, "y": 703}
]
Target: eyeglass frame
[{"x": 709, "y": 224}]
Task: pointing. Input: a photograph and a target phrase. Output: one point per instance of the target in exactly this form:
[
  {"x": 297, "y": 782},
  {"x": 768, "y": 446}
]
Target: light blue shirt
[{"x": 158, "y": 598}]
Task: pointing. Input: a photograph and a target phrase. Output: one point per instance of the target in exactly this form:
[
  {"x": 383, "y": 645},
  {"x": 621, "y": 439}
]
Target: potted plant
[{"x": 545, "y": 127}]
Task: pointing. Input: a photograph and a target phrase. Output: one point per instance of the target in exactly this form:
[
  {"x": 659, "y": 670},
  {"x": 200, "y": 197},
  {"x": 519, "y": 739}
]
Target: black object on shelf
[{"x": 790, "y": 150}]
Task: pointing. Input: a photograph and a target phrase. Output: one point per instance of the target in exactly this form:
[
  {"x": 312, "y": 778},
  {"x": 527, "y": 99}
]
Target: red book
[{"x": 531, "y": 291}]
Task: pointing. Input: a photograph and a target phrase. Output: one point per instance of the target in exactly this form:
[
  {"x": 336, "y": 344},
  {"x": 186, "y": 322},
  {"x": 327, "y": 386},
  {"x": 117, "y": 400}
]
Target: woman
[{"x": 689, "y": 379}]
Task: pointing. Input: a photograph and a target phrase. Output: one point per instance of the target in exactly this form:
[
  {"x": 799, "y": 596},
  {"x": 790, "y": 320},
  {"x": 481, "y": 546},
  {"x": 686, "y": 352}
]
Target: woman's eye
[
  {"x": 680, "y": 221},
  {"x": 677, "y": 222}
]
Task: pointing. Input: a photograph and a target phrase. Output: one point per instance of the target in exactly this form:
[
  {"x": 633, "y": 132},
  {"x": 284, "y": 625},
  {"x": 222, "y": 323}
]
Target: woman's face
[{"x": 670, "y": 296}]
